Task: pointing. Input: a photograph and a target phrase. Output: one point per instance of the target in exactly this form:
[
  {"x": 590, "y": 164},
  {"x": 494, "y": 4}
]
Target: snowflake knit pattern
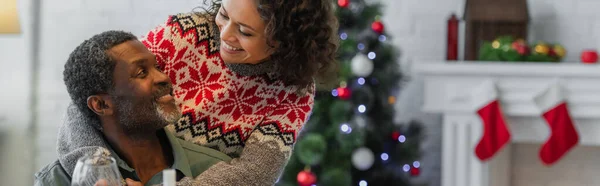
[{"x": 254, "y": 119}]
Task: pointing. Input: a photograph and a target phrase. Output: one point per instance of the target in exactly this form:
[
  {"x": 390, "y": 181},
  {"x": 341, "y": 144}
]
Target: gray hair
[{"x": 89, "y": 69}]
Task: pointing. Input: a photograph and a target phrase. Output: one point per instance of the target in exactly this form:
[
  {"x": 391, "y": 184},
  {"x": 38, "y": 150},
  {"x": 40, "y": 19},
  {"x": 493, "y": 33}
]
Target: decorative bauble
[
  {"x": 311, "y": 149},
  {"x": 395, "y": 135},
  {"x": 360, "y": 120},
  {"x": 415, "y": 171},
  {"x": 344, "y": 93},
  {"x": 560, "y": 51},
  {"x": 520, "y": 46},
  {"x": 344, "y": 3},
  {"x": 361, "y": 65},
  {"x": 378, "y": 27},
  {"x": 541, "y": 48},
  {"x": 589, "y": 56},
  {"x": 496, "y": 44},
  {"x": 306, "y": 178},
  {"x": 363, "y": 158}
]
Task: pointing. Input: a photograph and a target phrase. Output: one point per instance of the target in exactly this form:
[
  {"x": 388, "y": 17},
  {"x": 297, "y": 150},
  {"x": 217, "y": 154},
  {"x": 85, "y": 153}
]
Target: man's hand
[
  {"x": 101, "y": 182},
  {"x": 131, "y": 182}
]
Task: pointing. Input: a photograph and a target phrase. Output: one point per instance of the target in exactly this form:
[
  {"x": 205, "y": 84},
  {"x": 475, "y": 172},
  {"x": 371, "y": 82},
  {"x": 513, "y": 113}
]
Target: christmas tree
[{"x": 350, "y": 138}]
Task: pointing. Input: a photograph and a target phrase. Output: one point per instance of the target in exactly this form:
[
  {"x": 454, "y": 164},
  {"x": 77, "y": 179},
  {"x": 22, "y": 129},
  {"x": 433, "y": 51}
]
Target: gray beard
[{"x": 143, "y": 119}]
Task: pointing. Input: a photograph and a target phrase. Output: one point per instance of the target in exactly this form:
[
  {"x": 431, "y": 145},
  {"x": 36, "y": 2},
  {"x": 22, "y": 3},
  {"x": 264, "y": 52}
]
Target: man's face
[{"x": 142, "y": 94}]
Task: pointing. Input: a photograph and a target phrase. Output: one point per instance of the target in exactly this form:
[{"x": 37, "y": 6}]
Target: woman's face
[{"x": 242, "y": 32}]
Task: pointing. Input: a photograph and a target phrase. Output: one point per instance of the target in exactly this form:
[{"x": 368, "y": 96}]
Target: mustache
[{"x": 163, "y": 90}]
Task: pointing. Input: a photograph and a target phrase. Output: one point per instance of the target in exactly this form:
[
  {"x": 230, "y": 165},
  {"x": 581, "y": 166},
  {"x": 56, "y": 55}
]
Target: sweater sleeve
[
  {"x": 269, "y": 145},
  {"x": 267, "y": 150},
  {"x": 159, "y": 43}
]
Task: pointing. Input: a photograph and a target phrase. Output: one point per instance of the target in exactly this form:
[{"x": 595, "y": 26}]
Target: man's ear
[{"x": 101, "y": 105}]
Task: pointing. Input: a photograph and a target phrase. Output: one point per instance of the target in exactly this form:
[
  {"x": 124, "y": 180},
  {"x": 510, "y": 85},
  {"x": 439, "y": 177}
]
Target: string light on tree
[
  {"x": 361, "y": 81},
  {"x": 406, "y": 168},
  {"x": 363, "y": 183},
  {"x": 362, "y": 108},
  {"x": 382, "y": 38},
  {"x": 372, "y": 55},
  {"x": 401, "y": 138},
  {"x": 385, "y": 156},
  {"x": 391, "y": 100},
  {"x": 416, "y": 169},
  {"x": 360, "y": 46},
  {"x": 416, "y": 164},
  {"x": 346, "y": 128},
  {"x": 343, "y": 36}
]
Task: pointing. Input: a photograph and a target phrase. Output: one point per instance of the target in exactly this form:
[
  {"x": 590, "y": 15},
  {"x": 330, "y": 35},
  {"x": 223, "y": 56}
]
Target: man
[{"x": 114, "y": 81}]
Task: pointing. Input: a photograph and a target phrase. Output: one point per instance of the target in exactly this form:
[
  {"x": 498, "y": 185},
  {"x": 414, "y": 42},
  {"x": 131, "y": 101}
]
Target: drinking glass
[{"x": 93, "y": 169}]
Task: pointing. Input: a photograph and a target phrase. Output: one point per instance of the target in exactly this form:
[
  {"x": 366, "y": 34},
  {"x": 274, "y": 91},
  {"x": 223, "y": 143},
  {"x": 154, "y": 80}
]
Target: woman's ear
[{"x": 101, "y": 105}]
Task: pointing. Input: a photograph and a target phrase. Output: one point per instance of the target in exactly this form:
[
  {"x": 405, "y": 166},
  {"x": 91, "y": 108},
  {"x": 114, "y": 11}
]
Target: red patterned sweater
[{"x": 254, "y": 119}]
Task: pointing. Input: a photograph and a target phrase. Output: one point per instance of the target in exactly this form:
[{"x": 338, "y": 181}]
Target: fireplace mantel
[{"x": 447, "y": 87}]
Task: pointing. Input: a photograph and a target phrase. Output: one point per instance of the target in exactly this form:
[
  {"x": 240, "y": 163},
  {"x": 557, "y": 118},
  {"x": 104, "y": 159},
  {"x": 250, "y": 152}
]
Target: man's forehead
[{"x": 129, "y": 51}]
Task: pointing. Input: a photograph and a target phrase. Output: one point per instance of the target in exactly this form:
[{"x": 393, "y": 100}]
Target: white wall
[
  {"x": 15, "y": 143},
  {"x": 417, "y": 28}
]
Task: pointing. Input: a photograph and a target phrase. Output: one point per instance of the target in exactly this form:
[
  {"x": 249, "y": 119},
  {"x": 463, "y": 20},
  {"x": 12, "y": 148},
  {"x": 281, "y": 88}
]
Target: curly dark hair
[
  {"x": 306, "y": 31},
  {"x": 89, "y": 69}
]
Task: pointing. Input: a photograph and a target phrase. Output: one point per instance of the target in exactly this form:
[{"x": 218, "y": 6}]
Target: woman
[{"x": 244, "y": 74}]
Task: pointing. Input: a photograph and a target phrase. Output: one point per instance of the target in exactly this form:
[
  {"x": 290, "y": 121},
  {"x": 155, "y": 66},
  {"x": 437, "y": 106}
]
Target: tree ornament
[
  {"x": 378, "y": 27},
  {"x": 589, "y": 56},
  {"x": 415, "y": 171},
  {"x": 496, "y": 44},
  {"x": 359, "y": 120},
  {"x": 541, "y": 48},
  {"x": 311, "y": 149},
  {"x": 344, "y": 3},
  {"x": 395, "y": 135},
  {"x": 306, "y": 178},
  {"x": 363, "y": 158},
  {"x": 520, "y": 46},
  {"x": 361, "y": 65},
  {"x": 344, "y": 93},
  {"x": 560, "y": 51}
]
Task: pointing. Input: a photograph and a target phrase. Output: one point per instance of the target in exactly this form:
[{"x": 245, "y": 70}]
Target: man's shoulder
[{"x": 52, "y": 174}]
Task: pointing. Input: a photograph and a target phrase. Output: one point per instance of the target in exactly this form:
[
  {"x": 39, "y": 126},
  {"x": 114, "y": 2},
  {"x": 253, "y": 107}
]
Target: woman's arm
[{"x": 266, "y": 151}]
